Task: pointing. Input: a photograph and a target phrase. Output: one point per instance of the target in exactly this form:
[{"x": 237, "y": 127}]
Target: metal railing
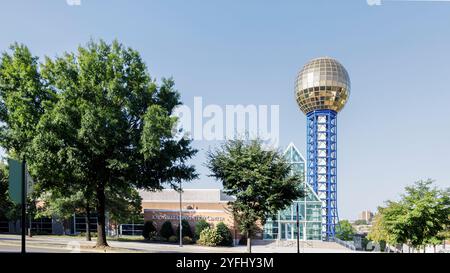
[
  {"x": 4, "y": 226},
  {"x": 131, "y": 229},
  {"x": 346, "y": 244}
]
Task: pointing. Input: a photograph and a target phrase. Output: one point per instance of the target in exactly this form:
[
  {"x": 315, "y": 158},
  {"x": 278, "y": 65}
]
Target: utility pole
[
  {"x": 181, "y": 213},
  {"x": 24, "y": 210},
  {"x": 298, "y": 230},
  {"x": 30, "y": 225}
]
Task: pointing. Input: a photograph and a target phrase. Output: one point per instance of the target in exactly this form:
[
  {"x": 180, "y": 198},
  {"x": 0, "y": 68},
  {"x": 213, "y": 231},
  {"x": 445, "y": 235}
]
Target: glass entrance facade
[{"x": 283, "y": 226}]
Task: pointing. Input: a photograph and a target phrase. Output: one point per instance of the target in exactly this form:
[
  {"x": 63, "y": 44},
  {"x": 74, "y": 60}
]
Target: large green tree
[
  {"x": 111, "y": 127},
  {"x": 24, "y": 97},
  {"x": 428, "y": 210},
  {"x": 258, "y": 178},
  {"x": 419, "y": 218}
]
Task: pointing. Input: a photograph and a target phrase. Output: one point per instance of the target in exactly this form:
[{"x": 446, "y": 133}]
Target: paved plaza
[{"x": 70, "y": 244}]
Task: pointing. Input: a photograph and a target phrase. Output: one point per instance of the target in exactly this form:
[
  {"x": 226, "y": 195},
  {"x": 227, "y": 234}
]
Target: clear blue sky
[{"x": 395, "y": 128}]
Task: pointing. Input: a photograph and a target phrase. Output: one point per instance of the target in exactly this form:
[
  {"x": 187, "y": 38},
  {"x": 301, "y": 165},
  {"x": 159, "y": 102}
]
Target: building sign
[
  {"x": 209, "y": 215},
  {"x": 188, "y": 217}
]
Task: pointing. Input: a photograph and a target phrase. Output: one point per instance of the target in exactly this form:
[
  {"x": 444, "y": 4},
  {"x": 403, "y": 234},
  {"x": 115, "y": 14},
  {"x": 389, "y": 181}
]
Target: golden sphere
[{"x": 322, "y": 84}]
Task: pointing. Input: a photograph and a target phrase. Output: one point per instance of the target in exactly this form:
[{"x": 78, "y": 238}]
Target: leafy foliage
[
  {"x": 8, "y": 210},
  {"x": 187, "y": 240},
  {"x": 109, "y": 127},
  {"x": 24, "y": 97},
  {"x": 225, "y": 234},
  {"x": 123, "y": 205},
  {"x": 209, "y": 237},
  {"x": 149, "y": 228},
  {"x": 199, "y": 226},
  {"x": 166, "y": 230},
  {"x": 61, "y": 206},
  {"x": 186, "y": 231},
  {"x": 345, "y": 231},
  {"x": 419, "y": 218},
  {"x": 173, "y": 239},
  {"x": 259, "y": 179}
]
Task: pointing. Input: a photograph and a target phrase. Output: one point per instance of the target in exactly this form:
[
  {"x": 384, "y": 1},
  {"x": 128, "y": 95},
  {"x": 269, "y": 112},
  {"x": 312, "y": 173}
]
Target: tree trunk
[
  {"x": 249, "y": 242},
  {"x": 88, "y": 221},
  {"x": 101, "y": 222}
]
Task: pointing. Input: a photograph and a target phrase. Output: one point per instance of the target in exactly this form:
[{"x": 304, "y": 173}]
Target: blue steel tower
[{"x": 322, "y": 89}]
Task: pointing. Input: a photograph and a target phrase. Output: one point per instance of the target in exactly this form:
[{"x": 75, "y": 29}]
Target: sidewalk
[{"x": 79, "y": 244}]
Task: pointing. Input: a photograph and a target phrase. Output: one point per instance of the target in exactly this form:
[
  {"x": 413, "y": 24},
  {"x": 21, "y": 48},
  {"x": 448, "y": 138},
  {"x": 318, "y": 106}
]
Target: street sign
[{"x": 15, "y": 181}]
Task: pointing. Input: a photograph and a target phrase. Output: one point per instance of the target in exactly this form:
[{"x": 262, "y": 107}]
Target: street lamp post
[
  {"x": 24, "y": 210},
  {"x": 181, "y": 212},
  {"x": 298, "y": 231}
]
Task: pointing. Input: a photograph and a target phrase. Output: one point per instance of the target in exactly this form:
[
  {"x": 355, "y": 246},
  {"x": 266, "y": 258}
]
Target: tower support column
[{"x": 322, "y": 166}]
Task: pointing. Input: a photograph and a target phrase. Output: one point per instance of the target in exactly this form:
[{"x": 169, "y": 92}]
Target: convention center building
[{"x": 212, "y": 205}]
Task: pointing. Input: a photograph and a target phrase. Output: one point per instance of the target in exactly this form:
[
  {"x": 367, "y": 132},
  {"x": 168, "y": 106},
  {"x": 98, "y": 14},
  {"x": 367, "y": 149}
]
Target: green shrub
[
  {"x": 209, "y": 237},
  {"x": 166, "y": 230},
  {"x": 148, "y": 229},
  {"x": 187, "y": 240},
  {"x": 225, "y": 233},
  {"x": 153, "y": 236},
  {"x": 199, "y": 227},
  {"x": 187, "y": 231},
  {"x": 159, "y": 238},
  {"x": 173, "y": 239}
]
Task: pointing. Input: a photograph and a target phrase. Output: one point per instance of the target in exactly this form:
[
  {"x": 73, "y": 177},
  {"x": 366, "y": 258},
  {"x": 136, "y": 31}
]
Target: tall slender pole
[
  {"x": 298, "y": 231},
  {"x": 24, "y": 211},
  {"x": 181, "y": 212},
  {"x": 30, "y": 225}
]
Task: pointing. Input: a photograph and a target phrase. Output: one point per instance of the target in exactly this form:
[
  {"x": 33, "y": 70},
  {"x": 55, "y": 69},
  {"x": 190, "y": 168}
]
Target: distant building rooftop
[{"x": 189, "y": 195}]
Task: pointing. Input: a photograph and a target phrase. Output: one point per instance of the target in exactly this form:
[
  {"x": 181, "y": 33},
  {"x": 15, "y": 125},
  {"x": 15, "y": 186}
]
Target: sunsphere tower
[{"x": 322, "y": 89}]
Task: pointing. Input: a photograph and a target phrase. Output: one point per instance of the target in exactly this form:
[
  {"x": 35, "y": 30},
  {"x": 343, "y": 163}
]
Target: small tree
[
  {"x": 417, "y": 219},
  {"x": 428, "y": 210},
  {"x": 225, "y": 234},
  {"x": 186, "y": 231},
  {"x": 199, "y": 226},
  {"x": 345, "y": 231},
  {"x": 378, "y": 232},
  {"x": 166, "y": 230},
  {"x": 260, "y": 180},
  {"x": 149, "y": 228}
]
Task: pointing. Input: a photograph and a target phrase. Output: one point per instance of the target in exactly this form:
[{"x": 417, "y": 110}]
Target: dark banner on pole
[{"x": 15, "y": 181}]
